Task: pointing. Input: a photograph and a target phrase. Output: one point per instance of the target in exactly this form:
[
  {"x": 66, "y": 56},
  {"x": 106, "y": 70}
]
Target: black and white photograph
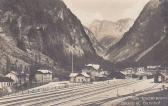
[{"x": 83, "y": 52}]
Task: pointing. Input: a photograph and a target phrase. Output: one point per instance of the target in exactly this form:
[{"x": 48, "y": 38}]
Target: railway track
[
  {"x": 34, "y": 93},
  {"x": 61, "y": 96},
  {"x": 48, "y": 92},
  {"x": 31, "y": 100},
  {"x": 104, "y": 101},
  {"x": 30, "y": 96},
  {"x": 81, "y": 96}
]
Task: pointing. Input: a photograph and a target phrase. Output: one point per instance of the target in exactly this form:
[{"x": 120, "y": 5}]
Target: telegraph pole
[
  {"x": 72, "y": 62},
  {"x": 72, "y": 54}
]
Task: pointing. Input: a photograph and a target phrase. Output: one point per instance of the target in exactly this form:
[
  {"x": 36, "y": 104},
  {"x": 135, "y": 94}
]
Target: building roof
[
  {"x": 76, "y": 74},
  {"x": 85, "y": 74},
  {"x": 89, "y": 68},
  {"x": 95, "y": 66},
  {"x": 13, "y": 72},
  {"x": 153, "y": 67},
  {"x": 5, "y": 79},
  {"x": 19, "y": 73},
  {"x": 73, "y": 74},
  {"x": 44, "y": 72},
  {"x": 101, "y": 76}
]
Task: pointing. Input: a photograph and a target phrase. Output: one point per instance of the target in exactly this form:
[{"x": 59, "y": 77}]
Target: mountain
[
  {"x": 146, "y": 42},
  {"x": 42, "y": 34},
  {"x": 109, "y": 33},
  {"x": 100, "y": 50}
]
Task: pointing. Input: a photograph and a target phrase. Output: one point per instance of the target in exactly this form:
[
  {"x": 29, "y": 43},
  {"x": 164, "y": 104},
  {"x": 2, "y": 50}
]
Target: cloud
[
  {"x": 135, "y": 10},
  {"x": 89, "y": 10}
]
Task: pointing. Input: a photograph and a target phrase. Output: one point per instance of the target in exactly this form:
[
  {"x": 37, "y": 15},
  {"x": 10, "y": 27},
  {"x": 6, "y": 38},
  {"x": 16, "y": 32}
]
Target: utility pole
[
  {"x": 73, "y": 38},
  {"x": 72, "y": 62}
]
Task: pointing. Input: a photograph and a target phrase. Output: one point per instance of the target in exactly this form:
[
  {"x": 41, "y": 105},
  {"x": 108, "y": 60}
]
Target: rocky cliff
[
  {"x": 146, "y": 42},
  {"x": 109, "y": 33},
  {"x": 43, "y": 32},
  {"x": 99, "y": 48}
]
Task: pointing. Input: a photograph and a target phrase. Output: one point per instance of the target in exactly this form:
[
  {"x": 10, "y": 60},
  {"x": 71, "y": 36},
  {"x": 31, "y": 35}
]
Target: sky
[{"x": 89, "y": 10}]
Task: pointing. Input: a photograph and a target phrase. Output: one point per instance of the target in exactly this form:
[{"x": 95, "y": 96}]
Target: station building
[{"x": 80, "y": 78}]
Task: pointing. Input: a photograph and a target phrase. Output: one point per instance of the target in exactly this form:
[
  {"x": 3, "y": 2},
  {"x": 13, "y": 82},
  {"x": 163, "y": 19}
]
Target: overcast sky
[{"x": 112, "y": 10}]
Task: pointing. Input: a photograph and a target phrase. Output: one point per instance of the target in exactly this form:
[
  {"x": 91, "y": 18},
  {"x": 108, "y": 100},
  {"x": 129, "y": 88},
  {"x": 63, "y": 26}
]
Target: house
[
  {"x": 96, "y": 74},
  {"x": 43, "y": 76},
  {"x": 140, "y": 70},
  {"x": 141, "y": 73},
  {"x": 154, "y": 67},
  {"x": 80, "y": 78},
  {"x": 91, "y": 71},
  {"x": 18, "y": 77},
  {"x": 14, "y": 76},
  {"x": 83, "y": 78},
  {"x": 160, "y": 77},
  {"x": 129, "y": 73},
  {"x": 5, "y": 82},
  {"x": 73, "y": 77}
]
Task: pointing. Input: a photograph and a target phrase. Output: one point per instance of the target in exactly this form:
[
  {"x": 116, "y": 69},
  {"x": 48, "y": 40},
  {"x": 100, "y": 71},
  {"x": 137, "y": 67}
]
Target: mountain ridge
[
  {"x": 44, "y": 32},
  {"x": 145, "y": 35},
  {"x": 109, "y": 33}
]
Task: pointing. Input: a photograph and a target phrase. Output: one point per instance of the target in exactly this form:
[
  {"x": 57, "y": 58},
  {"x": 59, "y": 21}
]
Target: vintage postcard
[{"x": 83, "y": 52}]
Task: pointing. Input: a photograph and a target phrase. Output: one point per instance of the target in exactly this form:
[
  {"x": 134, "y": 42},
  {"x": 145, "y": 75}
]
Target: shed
[
  {"x": 160, "y": 77},
  {"x": 43, "y": 76},
  {"x": 19, "y": 77}
]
